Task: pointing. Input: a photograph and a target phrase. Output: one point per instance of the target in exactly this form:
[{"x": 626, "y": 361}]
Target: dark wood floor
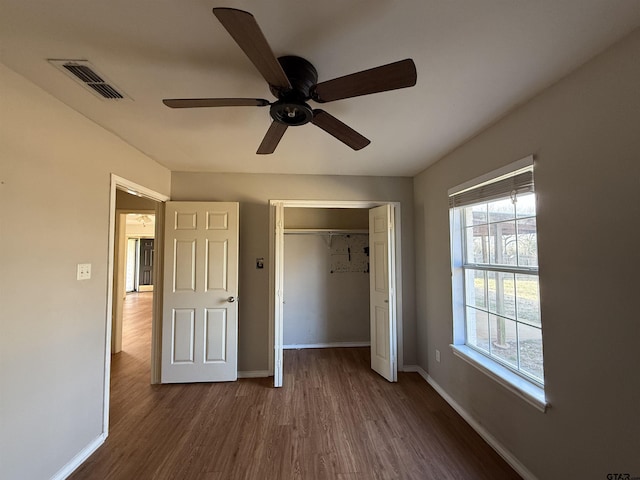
[{"x": 333, "y": 419}]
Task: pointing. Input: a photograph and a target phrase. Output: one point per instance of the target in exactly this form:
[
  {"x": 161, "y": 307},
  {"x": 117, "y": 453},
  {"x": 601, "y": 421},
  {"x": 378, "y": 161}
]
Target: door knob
[{"x": 231, "y": 299}]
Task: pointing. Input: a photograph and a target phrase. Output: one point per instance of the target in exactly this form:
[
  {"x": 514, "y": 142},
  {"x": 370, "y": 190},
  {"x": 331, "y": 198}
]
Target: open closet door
[
  {"x": 382, "y": 292},
  {"x": 200, "y": 308}
]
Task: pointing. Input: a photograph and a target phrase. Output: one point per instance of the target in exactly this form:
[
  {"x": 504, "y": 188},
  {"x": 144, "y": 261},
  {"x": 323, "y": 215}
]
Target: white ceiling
[{"x": 476, "y": 60}]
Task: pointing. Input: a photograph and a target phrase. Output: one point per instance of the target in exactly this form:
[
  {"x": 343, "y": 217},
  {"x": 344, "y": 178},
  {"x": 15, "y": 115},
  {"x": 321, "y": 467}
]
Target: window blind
[{"x": 520, "y": 182}]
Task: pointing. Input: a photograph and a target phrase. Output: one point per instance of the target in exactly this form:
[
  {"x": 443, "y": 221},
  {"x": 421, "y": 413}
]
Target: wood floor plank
[{"x": 333, "y": 419}]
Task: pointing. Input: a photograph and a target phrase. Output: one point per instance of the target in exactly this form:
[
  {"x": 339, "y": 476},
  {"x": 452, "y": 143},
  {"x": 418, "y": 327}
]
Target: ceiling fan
[{"x": 293, "y": 81}]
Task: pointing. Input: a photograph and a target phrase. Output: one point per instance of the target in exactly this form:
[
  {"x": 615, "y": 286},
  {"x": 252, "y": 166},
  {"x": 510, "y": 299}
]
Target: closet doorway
[
  {"x": 322, "y": 255},
  {"x": 326, "y": 278}
]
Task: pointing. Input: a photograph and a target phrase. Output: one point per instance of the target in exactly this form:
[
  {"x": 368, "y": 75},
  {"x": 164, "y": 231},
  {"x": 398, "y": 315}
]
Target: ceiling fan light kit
[{"x": 294, "y": 81}]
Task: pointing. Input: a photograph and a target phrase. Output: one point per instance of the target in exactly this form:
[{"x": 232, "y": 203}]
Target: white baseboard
[
  {"x": 490, "y": 439},
  {"x": 254, "y": 374},
  {"x": 299, "y": 346},
  {"x": 80, "y": 457}
]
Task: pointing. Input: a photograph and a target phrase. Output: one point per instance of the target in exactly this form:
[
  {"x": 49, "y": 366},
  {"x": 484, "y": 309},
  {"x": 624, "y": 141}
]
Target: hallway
[{"x": 131, "y": 368}]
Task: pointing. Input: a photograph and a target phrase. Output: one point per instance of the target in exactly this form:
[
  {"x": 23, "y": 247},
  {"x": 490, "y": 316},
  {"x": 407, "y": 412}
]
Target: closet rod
[{"x": 323, "y": 231}]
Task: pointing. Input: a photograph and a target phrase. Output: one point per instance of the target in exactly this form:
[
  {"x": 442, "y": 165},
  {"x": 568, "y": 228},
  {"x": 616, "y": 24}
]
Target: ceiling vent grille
[{"x": 87, "y": 75}]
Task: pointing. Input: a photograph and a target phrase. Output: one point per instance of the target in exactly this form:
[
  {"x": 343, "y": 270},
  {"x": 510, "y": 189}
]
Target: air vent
[{"x": 87, "y": 75}]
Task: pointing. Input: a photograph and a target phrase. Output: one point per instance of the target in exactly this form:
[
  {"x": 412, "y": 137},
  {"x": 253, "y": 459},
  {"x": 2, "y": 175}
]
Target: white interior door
[
  {"x": 382, "y": 294},
  {"x": 200, "y": 308}
]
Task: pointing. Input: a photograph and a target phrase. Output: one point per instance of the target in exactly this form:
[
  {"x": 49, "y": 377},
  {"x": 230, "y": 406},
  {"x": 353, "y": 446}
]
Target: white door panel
[
  {"x": 382, "y": 292},
  {"x": 182, "y": 335},
  {"x": 200, "y": 313}
]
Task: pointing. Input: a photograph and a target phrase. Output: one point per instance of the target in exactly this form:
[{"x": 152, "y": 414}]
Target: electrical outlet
[
  {"x": 84, "y": 271},
  {"x": 437, "y": 355}
]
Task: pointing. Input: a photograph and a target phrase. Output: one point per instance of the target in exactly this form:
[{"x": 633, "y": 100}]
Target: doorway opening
[
  {"x": 133, "y": 276},
  {"x": 281, "y": 227},
  {"x": 145, "y": 222},
  {"x": 139, "y": 258},
  {"x": 326, "y": 278}
]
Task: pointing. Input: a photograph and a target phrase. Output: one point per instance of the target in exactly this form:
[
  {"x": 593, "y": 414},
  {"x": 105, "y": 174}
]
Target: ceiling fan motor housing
[
  {"x": 301, "y": 74},
  {"x": 291, "y": 108}
]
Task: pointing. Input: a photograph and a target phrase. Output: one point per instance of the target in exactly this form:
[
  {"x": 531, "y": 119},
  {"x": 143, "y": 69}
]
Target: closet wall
[{"x": 326, "y": 280}]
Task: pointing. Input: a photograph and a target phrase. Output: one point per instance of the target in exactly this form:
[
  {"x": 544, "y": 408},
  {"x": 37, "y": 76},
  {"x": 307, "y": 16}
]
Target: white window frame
[{"x": 524, "y": 388}]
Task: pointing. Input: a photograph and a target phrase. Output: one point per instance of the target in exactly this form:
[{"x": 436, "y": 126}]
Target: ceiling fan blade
[
  {"x": 244, "y": 29},
  {"x": 380, "y": 79},
  {"x": 272, "y": 138},
  {"x": 214, "y": 102},
  {"x": 341, "y": 131}
]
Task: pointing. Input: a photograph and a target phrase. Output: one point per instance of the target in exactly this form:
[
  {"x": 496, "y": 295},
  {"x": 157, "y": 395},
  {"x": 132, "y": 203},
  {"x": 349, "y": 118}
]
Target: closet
[{"x": 326, "y": 277}]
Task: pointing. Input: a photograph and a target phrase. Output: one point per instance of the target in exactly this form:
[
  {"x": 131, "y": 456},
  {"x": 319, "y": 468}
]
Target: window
[{"x": 495, "y": 276}]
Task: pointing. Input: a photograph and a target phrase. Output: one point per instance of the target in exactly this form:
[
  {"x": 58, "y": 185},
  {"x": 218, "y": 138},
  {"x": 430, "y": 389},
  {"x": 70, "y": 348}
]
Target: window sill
[{"x": 530, "y": 393}]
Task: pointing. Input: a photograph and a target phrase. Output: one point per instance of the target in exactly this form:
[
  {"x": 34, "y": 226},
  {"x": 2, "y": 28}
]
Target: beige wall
[
  {"x": 127, "y": 201},
  {"x": 350, "y": 218},
  {"x": 55, "y": 170},
  {"x": 585, "y": 135},
  {"x": 254, "y": 192}
]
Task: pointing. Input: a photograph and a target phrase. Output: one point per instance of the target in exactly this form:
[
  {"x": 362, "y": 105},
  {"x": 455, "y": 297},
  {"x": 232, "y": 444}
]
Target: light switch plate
[{"x": 84, "y": 271}]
